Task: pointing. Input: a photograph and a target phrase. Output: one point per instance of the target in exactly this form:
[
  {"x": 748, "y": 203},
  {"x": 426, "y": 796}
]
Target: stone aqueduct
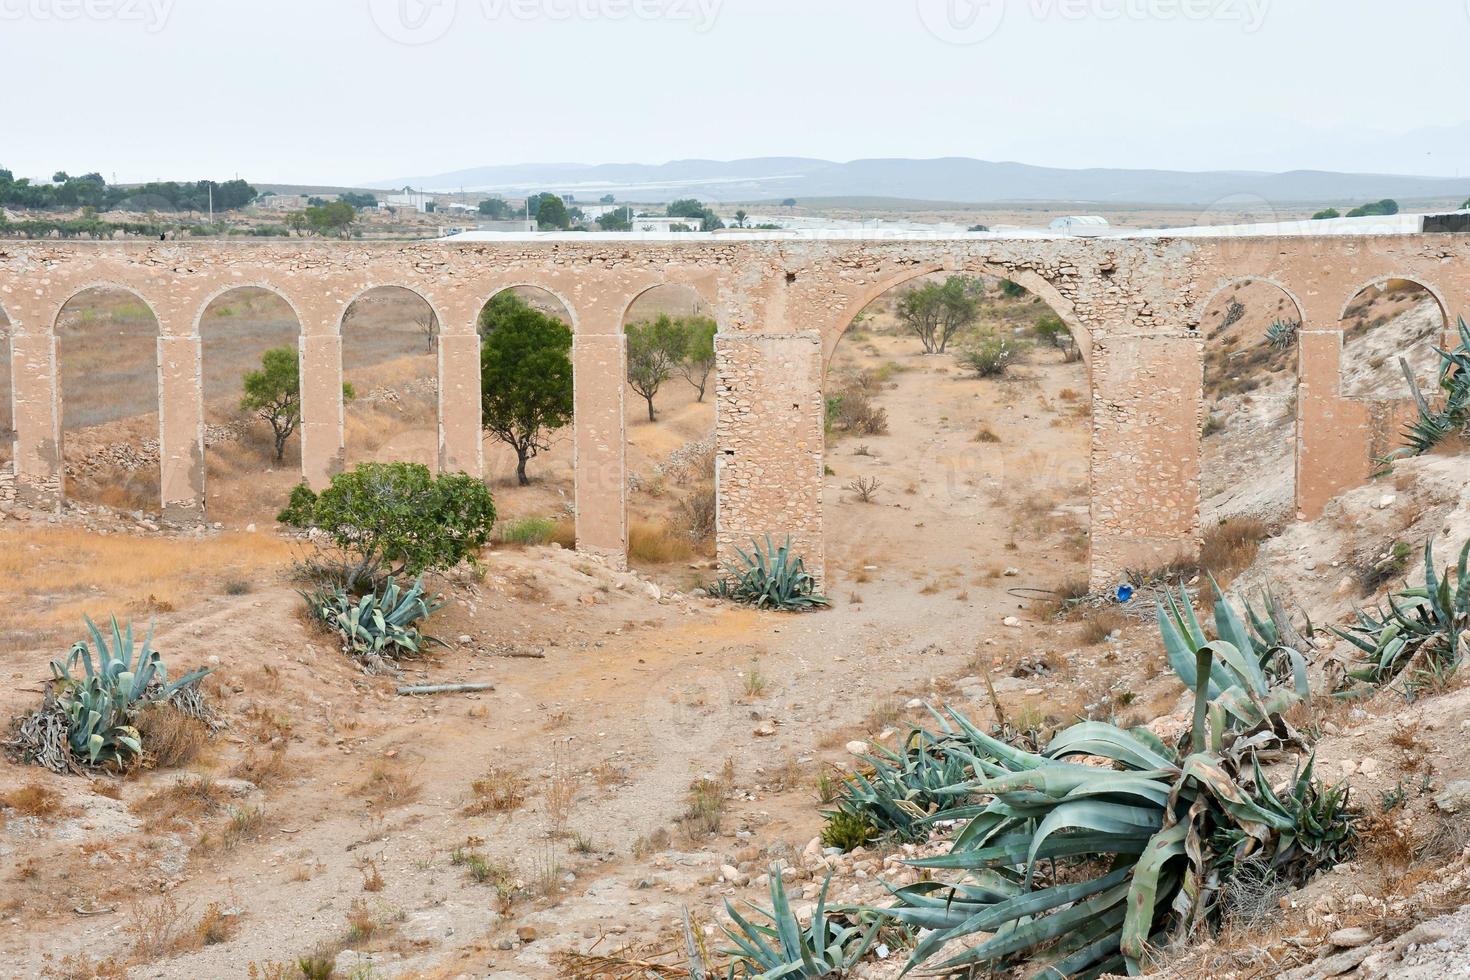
[{"x": 782, "y": 304}]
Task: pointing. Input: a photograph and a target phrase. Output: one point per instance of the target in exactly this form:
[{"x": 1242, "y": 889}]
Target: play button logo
[{"x": 962, "y": 21}]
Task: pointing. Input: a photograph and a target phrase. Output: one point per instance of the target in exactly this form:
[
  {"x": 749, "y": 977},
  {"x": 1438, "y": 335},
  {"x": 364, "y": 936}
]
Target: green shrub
[
  {"x": 396, "y": 519},
  {"x": 1050, "y": 330},
  {"x": 1451, "y": 416},
  {"x": 990, "y": 356},
  {"x": 770, "y": 578},
  {"x": 847, "y": 831}
]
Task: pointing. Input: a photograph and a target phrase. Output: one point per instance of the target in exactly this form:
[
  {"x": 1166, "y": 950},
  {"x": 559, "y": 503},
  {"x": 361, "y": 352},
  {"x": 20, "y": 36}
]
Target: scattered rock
[
  {"x": 526, "y": 934},
  {"x": 1454, "y": 798},
  {"x": 857, "y": 748},
  {"x": 1352, "y": 938}
]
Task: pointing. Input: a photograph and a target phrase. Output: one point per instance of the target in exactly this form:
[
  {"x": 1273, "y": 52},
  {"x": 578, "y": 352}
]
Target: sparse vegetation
[
  {"x": 827, "y": 947},
  {"x": 935, "y": 312},
  {"x": 769, "y": 577},
  {"x": 395, "y": 519},
  {"x": 525, "y": 376},
  {"x": 866, "y": 488},
  {"x": 273, "y": 394},
  {"x": 990, "y": 355},
  {"x": 379, "y": 626},
  {"x": 1450, "y": 416}
]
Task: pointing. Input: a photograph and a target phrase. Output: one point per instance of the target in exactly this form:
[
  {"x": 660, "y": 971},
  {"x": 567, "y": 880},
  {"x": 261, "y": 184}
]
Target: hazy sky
[{"x": 349, "y": 91}]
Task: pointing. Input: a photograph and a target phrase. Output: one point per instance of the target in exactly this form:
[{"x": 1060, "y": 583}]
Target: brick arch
[
  {"x": 1031, "y": 281},
  {"x": 270, "y": 287}
]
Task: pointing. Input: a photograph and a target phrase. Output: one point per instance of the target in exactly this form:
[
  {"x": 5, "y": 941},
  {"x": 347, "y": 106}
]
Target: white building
[
  {"x": 663, "y": 223},
  {"x": 1082, "y": 225},
  {"x": 408, "y": 198}
]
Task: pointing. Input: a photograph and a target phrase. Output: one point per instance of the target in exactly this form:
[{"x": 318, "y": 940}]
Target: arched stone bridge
[{"x": 782, "y": 304}]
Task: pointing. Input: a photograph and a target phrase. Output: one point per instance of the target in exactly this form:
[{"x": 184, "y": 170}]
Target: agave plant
[
  {"x": 1150, "y": 842},
  {"x": 381, "y": 624},
  {"x": 824, "y": 948},
  {"x": 906, "y": 790},
  {"x": 1426, "y": 624},
  {"x": 1434, "y": 425},
  {"x": 1282, "y": 334},
  {"x": 1258, "y": 669},
  {"x": 101, "y": 699},
  {"x": 770, "y": 578}
]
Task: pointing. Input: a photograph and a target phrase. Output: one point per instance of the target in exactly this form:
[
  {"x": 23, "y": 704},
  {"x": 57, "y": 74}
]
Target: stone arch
[
  {"x": 359, "y": 294},
  {"x": 566, "y": 304},
  {"x": 264, "y": 284},
  {"x": 107, "y": 284},
  {"x": 1381, "y": 280},
  {"x": 242, "y": 481},
  {"x": 107, "y": 465},
  {"x": 1251, "y": 393},
  {"x": 1201, "y": 308},
  {"x": 700, "y": 288},
  {"x": 1033, "y": 282},
  {"x": 388, "y": 414}
]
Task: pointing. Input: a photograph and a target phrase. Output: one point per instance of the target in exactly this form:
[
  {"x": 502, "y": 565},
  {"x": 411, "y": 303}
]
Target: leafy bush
[
  {"x": 1050, "y": 330},
  {"x": 89, "y": 717},
  {"x": 381, "y": 625},
  {"x": 1156, "y": 837},
  {"x": 396, "y": 518},
  {"x": 770, "y": 578},
  {"x": 1424, "y": 627},
  {"x": 990, "y": 356},
  {"x": 847, "y": 831},
  {"x": 824, "y": 948}
]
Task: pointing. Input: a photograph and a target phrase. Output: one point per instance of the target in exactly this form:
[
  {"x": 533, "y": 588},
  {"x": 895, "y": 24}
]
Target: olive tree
[
  {"x": 525, "y": 376},
  {"x": 273, "y": 394}
]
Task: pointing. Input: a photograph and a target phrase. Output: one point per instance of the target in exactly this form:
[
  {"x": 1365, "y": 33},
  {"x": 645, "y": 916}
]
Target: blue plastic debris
[{"x": 1125, "y": 592}]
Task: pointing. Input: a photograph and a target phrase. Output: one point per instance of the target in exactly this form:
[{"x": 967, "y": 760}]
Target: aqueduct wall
[{"x": 782, "y": 305}]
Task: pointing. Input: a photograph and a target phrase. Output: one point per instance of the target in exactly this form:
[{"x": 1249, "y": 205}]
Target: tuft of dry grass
[
  {"x": 372, "y": 878},
  {"x": 388, "y": 785},
  {"x": 651, "y": 543},
  {"x": 498, "y": 791},
  {"x": 263, "y": 768},
  {"x": 1229, "y": 547},
  {"x": 173, "y": 738},
  {"x": 187, "y": 798},
  {"x": 1099, "y": 626},
  {"x": 33, "y": 800}
]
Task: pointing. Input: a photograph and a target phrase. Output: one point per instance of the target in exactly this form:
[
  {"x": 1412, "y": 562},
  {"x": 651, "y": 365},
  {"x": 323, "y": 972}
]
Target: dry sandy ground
[{"x": 634, "y": 698}]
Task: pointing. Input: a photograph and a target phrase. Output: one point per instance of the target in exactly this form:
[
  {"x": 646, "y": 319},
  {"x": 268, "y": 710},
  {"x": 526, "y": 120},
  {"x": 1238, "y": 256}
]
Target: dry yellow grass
[
  {"x": 651, "y": 543},
  {"x": 63, "y": 573}
]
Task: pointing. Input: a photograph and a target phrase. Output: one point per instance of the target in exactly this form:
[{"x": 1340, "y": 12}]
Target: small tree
[
  {"x": 741, "y": 217},
  {"x": 1326, "y": 213},
  {"x": 552, "y": 213},
  {"x": 699, "y": 352},
  {"x": 274, "y": 394},
  {"x": 525, "y": 376},
  {"x": 336, "y": 217},
  {"x": 619, "y": 220},
  {"x": 654, "y": 351},
  {"x": 396, "y": 519},
  {"x": 935, "y": 312},
  {"x": 495, "y": 209}
]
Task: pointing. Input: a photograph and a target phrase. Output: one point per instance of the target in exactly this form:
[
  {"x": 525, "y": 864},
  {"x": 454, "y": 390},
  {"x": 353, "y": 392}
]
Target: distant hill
[{"x": 957, "y": 179}]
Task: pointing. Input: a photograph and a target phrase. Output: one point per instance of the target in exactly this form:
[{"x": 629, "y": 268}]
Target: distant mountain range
[{"x": 950, "y": 179}]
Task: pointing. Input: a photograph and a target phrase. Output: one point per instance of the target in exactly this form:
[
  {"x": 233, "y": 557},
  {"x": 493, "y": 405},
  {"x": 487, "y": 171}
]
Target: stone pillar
[
  {"x": 1334, "y": 434},
  {"x": 34, "y": 382},
  {"x": 599, "y": 373},
  {"x": 460, "y": 444},
  {"x": 181, "y": 427},
  {"x": 322, "y": 444},
  {"x": 769, "y": 439},
  {"x": 1146, "y": 416}
]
